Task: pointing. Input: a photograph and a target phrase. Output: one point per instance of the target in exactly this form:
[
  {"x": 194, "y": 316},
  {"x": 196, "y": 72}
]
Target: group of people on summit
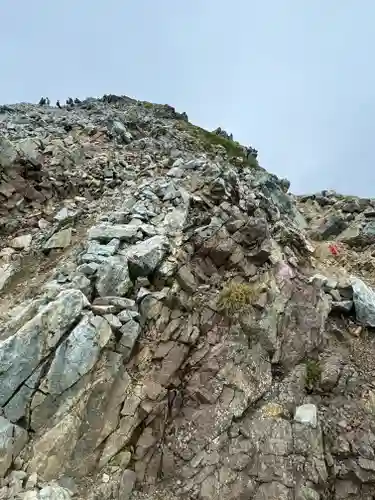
[
  {"x": 44, "y": 101},
  {"x": 70, "y": 103}
]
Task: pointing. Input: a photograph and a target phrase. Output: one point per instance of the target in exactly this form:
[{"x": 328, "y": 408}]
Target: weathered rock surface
[
  {"x": 187, "y": 344},
  {"x": 12, "y": 440},
  {"x": 22, "y": 352},
  {"x": 364, "y": 303}
]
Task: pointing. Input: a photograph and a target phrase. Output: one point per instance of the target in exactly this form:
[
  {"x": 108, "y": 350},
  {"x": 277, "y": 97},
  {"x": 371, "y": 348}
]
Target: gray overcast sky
[{"x": 293, "y": 78}]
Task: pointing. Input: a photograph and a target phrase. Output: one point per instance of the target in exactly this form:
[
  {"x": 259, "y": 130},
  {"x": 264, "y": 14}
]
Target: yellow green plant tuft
[
  {"x": 312, "y": 374},
  {"x": 237, "y": 297}
]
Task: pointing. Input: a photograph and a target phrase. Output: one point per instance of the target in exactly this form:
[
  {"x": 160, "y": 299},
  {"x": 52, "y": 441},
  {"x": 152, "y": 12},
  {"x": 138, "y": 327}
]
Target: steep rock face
[{"x": 186, "y": 346}]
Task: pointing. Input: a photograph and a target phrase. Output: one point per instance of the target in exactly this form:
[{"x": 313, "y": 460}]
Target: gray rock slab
[
  {"x": 130, "y": 333},
  {"x": 62, "y": 239},
  {"x": 147, "y": 255},
  {"x": 12, "y": 440},
  {"x": 22, "y": 352},
  {"x": 364, "y": 302},
  {"x": 127, "y": 484},
  {"x": 107, "y": 232},
  {"x": 77, "y": 354},
  {"x": 113, "y": 277}
]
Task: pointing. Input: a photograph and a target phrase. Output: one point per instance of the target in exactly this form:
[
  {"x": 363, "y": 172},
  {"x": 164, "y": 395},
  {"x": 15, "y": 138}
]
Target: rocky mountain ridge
[{"x": 174, "y": 324}]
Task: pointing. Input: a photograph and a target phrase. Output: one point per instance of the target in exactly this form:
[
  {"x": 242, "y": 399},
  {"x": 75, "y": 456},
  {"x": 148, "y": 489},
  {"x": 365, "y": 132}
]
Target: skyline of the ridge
[{"x": 291, "y": 79}]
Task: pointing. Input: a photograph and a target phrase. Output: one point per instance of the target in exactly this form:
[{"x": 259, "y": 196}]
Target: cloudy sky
[{"x": 293, "y": 78}]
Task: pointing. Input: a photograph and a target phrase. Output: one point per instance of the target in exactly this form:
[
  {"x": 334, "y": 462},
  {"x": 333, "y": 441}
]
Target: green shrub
[
  {"x": 147, "y": 105},
  {"x": 233, "y": 148},
  {"x": 313, "y": 373},
  {"x": 237, "y": 297},
  {"x": 209, "y": 140}
]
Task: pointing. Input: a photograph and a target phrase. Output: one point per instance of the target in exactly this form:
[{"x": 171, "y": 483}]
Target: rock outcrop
[{"x": 168, "y": 330}]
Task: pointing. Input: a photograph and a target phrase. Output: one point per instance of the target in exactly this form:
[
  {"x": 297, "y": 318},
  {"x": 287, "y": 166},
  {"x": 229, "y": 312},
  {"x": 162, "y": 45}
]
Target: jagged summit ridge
[{"x": 168, "y": 330}]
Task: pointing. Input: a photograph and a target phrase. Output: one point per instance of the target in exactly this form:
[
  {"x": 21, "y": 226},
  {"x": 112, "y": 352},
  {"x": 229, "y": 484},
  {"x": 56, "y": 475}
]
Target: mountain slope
[{"x": 167, "y": 331}]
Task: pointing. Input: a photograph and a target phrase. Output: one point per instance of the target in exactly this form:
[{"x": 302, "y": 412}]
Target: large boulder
[
  {"x": 147, "y": 255},
  {"x": 359, "y": 234},
  {"x": 364, "y": 302},
  {"x": 21, "y": 353},
  {"x": 29, "y": 151},
  {"x": 330, "y": 228},
  {"x": 61, "y": 239},
  {"x": 78, "y": 353},
  {"x": 112, "y": 277}
]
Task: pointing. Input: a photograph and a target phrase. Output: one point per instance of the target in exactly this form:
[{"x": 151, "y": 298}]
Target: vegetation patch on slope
[{"x": 208, "y": 140}]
